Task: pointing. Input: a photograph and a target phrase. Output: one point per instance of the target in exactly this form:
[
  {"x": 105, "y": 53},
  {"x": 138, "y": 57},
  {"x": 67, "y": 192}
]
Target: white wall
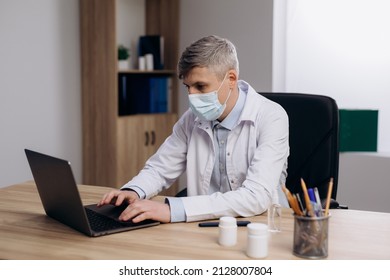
[
  {"x": 339, "y": 48},
  {"x": 247, "y": 23},
  {"x": 130, "y": 25},
  {"x": 40, "y": 106}
]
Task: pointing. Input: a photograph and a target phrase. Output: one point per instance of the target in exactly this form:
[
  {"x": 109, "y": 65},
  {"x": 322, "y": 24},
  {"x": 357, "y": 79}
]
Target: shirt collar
[{"x": 232, "y": 119}]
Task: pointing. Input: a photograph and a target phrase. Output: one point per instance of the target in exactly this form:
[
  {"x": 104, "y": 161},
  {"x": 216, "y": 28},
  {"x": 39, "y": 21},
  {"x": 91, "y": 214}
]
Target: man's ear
[{"x": 232, "y": 78}]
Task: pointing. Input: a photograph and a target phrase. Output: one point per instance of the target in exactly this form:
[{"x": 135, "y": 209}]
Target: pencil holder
[{"x": 311, "y": 236}]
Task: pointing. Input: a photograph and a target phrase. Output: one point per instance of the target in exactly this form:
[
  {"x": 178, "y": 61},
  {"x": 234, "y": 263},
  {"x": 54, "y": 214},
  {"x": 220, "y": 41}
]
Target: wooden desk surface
[{"x": 27, "y": 233}]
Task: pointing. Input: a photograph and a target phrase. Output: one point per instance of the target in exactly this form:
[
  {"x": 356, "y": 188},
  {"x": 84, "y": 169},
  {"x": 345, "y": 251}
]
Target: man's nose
[{"x": 192, "y": 90}]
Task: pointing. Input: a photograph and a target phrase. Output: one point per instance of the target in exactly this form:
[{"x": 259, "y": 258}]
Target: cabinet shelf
[
  {"x": 157, "y": 72},
  {"x": 170, "y": 115}
]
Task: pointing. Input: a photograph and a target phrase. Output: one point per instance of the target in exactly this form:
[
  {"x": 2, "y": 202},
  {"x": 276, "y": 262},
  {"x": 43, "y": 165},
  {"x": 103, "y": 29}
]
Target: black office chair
[{"x": 314, "y": 142}]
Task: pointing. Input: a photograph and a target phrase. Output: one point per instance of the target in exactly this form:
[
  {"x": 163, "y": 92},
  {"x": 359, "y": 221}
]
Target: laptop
[{"x": 61, "y": 200}]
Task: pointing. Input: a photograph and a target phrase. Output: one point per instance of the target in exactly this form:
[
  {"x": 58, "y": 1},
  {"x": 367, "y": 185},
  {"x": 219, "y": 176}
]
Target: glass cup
[
  {"x": 274, "y": 218},
  {"x": 311, "y": 237}
]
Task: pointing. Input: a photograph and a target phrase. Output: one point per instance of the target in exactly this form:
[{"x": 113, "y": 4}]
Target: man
[{"x": 232, "y": 142}]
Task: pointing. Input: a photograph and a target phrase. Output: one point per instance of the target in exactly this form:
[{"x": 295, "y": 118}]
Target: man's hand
[
  {"x": 138, "y": 210},
  {"x": 145, "y": 209},
  {"x": 117, "y": 197}
]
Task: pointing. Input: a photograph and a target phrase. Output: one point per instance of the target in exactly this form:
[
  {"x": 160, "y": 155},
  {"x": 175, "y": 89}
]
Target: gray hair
[{"x": 216, "y": 53}]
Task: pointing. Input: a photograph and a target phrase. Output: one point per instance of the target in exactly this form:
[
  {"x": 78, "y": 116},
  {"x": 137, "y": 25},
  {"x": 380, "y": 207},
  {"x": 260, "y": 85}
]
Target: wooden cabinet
[
  {"x": 138, "y": 139},
  {"x": 115, "y": 147}
]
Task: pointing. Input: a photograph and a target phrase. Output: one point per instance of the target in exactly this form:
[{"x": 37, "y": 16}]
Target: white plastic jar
[
  {"x": 227, "y": 231},
  {"x": 257, "y": 242}
]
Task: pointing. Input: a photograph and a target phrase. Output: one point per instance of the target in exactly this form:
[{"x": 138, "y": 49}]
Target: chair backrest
[{"x": 314, "y": 140}]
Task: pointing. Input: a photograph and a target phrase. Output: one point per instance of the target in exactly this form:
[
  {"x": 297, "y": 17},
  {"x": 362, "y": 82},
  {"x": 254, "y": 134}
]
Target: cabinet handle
[
  {"x": 153, "y": 138},
  {"x": 146, "y": 138}
]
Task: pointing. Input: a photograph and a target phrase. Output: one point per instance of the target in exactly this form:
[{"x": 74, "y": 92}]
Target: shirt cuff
[
  {"x": 178, "y": 213},
  {"x": 136, "y": 189}
]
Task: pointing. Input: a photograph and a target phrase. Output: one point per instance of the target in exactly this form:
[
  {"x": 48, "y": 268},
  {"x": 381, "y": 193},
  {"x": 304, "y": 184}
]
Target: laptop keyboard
[{"x": 100, "y": 223}]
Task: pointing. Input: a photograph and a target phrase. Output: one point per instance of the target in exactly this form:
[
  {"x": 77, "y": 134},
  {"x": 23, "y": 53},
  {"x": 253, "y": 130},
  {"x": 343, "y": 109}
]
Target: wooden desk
[{"x": 27, "y": 233}]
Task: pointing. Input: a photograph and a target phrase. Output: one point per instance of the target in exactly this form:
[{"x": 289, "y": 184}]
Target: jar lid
[
  {"x": 227, "y": 222},
  {"x": 257, "y": 228}
]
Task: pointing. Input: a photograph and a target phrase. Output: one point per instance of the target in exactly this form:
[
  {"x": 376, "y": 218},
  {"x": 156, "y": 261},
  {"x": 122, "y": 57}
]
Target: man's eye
[
  {"x": 200, "y": 88},
  {"x": 197, "y": 88}
]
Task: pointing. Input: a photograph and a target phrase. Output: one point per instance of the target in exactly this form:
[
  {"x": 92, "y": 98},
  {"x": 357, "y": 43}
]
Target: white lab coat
[{"x": 256, "y": 161}]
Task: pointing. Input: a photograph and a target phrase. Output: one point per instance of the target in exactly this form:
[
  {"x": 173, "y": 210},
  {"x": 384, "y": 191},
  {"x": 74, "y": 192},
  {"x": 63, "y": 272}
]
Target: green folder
[{"x": 358, "y": 130}]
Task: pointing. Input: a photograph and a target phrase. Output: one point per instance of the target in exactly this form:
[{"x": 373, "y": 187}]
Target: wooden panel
[
  {"x": 162, "y": 125},
  {"x": 139, "y": 137},
  {"x": 131, "y": 148},
  {"x": 98, "y": 55},
  {"x": 162, "y": 18}
]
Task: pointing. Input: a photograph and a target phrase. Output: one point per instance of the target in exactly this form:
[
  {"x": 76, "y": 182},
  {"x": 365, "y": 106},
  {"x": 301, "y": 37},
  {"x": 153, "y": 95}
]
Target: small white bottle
[
  {"x": 227, "y": 231},
  {"x": 141, "y": 63},
  {"x": 257, "y": 243},
  {"x": 149, "y": 61}
]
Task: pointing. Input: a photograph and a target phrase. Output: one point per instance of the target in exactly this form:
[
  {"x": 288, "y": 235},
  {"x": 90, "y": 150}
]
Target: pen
[
  {"x": 307, "y": 199},
  {"x": 328, "y": 196},
  {"x": 311, "y": 195},
  {"x": 292, "y": 201},
  {"x": 216, "y": 224},
  {"x": 318, "y": 204},
  {"x": 300, "y": 203},
  {"x": 317, "y": 195},
  {"x": 315, "y": 203}
]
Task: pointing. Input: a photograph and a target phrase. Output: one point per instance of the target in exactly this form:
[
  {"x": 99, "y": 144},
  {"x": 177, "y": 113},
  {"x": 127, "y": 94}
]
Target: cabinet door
[
  {"x": 139, "y": 137},
  {"x": 160, "y": 128}
]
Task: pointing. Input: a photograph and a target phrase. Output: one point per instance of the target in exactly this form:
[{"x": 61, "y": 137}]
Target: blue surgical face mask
[{"x": 206, "y": 105}]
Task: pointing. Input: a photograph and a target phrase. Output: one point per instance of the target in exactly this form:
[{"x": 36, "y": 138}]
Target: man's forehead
[{"x": 200, "y": 74}]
